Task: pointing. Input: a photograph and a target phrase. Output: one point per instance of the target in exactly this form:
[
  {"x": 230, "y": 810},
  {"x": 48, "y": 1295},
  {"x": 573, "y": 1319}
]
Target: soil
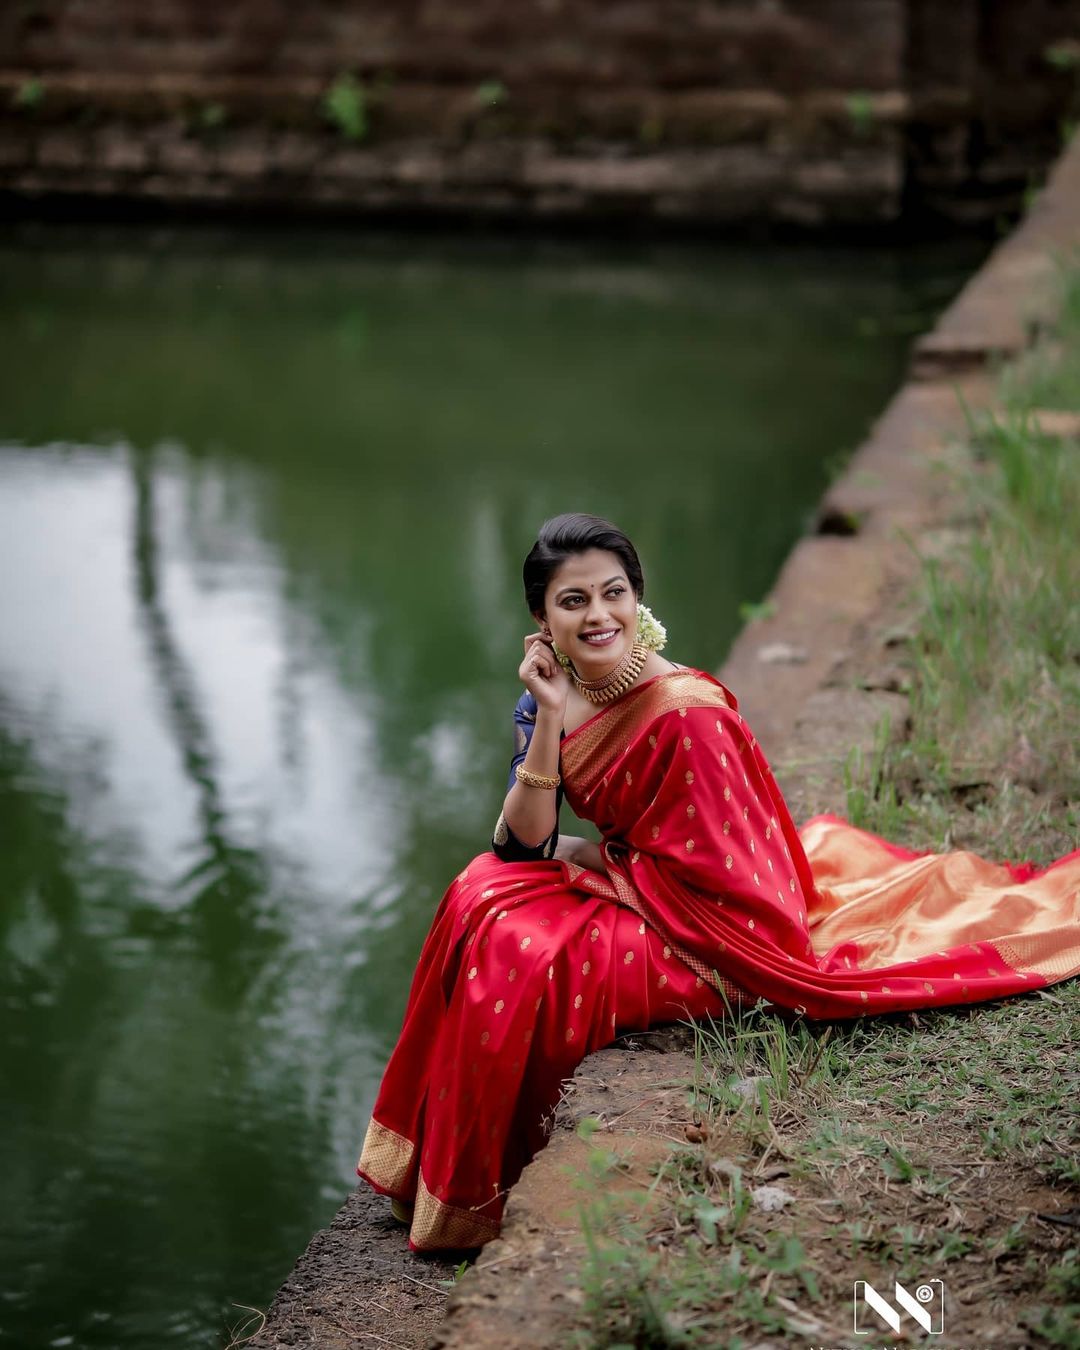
[
  {"x": 839, "y": 605},
  {"x": 358, "y": 1284}
]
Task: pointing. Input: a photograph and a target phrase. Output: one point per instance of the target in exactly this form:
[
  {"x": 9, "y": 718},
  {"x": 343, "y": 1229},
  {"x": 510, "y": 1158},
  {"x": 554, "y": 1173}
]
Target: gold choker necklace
[{"x": 617, "y": 681}]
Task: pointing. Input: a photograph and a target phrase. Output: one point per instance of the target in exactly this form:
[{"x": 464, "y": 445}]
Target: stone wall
[{"x": 812, "y": 112}]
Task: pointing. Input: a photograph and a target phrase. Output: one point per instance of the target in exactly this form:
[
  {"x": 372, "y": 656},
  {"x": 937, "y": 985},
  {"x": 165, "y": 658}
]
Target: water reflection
[{"x": 262, "y": 510}]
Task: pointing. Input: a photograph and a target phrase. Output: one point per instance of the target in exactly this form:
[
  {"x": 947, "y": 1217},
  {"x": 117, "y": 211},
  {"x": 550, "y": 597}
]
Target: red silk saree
[{"x": 711, "y": 894}]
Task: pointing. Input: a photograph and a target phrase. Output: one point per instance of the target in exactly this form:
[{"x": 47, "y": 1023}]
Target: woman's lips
[{"x": 604, "y": 639}]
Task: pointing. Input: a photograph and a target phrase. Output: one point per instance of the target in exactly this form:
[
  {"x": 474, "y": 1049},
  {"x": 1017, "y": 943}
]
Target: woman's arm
[
  {"x": 530, "y": 812},
  {"x": 505, "y": 844}
]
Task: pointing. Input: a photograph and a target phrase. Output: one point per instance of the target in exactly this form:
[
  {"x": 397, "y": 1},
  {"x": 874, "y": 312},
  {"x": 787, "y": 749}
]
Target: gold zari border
[
  {"x": 594, "y": 746},
  {"x": 386, "y": 1156},
  {"x": 629, "y": 897},
  {"x": 438, "y": 1225},
  {"x": 1054, "y": 954}
]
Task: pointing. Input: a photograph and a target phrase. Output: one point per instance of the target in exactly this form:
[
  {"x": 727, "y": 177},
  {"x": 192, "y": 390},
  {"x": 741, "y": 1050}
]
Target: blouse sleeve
[{"x": 505, "y": 844}]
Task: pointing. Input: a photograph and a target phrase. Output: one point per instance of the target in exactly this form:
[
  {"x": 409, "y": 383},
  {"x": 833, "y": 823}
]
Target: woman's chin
[{"x": 592, "y": 663}]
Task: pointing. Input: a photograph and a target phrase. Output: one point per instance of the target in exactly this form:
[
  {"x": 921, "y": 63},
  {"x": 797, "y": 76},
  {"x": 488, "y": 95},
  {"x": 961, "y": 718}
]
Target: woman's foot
[{"x": 402, "y": 1212}]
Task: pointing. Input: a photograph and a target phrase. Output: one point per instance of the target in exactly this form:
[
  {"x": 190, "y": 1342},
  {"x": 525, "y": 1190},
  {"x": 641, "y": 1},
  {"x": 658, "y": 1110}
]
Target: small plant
[
  {"x": 456, "y": 1275},
  {"x": 29, "y": 95},
  {"x": 756, "y": 609},
  {"x": 1060, "y": 1326},
  {"x": 1064, "y": 1171},
  {"x": 651, "y": 129},
  {"x": 1064, "y": 56},
  {"x": 860, "y": 109},
  {"x": 897, "y": 1165},
  {"x": 491, "y": 94},
  {"x": 345, "y": 105},
  {"x": 211, "y": 116}
]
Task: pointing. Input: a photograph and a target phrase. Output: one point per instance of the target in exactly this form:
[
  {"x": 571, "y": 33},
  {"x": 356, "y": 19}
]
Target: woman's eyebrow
[{"x": 569, "y": 589}]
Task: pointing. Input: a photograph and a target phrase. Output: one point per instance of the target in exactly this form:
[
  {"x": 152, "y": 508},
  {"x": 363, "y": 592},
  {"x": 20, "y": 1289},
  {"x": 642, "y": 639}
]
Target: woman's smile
[{"x": 591, "y": 609}]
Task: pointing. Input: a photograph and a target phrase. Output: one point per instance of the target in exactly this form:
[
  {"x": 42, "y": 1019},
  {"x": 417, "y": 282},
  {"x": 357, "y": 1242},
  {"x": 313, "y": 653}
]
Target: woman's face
[{"x": 591, "y": 611}]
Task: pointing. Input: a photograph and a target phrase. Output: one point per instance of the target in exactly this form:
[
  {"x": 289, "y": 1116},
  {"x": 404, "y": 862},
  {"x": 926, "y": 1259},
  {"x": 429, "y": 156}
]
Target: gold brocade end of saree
[
  {"x": 1054, "y": 953},
  {"x": 386, "y": 1157},
  {"x": 896, "y": 906},
  {"x": 438, "y": 1225}
]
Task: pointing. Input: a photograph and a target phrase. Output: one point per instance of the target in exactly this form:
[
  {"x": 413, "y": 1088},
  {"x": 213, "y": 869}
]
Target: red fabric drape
[{"x": 529, "y": 966}]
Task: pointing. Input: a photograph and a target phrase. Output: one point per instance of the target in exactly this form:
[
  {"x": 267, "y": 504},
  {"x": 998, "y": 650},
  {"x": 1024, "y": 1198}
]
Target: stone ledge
[{"x": 997, "y": 312}]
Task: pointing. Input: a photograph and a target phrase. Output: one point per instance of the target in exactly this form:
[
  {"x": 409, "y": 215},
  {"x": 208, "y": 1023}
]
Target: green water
[{"x": 263, "y": 505}]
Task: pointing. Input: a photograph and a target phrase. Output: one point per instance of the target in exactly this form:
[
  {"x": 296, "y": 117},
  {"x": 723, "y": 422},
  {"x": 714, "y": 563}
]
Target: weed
[
  {"x": 491, "y": 94},
  {"x": 1064, "y": 1171},
  {"x": 1063, "y": 55},
  {"x": 456, "y": 1274},
  {"x": 30, "y": 95},
  {"x": 860, "y": 110},
  {"x": 651, "y": 129},
  {"x": 761, "y": 609},
  {"x": 211, "y": 116},
  {"x": 1059, "y": 1326},
  {"x": 345, "y": 105}
]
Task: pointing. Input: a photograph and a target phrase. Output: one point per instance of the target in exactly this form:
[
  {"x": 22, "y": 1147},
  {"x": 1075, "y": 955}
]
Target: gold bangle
[{"x": 536, "y": 780}]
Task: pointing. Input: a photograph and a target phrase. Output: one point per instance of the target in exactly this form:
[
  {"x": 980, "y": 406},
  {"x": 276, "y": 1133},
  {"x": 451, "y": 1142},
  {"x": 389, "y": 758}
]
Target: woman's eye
[{"x": 617, "y": 590}]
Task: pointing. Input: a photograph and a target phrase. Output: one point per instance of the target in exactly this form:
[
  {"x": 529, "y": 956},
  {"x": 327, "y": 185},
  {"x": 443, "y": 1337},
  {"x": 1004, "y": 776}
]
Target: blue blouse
[{"x": 505, "y": 844}]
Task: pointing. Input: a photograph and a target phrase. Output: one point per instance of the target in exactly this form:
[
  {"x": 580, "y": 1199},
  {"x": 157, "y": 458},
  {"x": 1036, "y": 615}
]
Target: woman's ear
[{"x": 541, "y": 623}]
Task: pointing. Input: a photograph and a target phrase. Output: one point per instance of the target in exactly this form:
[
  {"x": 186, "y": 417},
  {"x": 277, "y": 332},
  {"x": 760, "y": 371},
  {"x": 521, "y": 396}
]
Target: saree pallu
[{"x": 711, "y": 896}]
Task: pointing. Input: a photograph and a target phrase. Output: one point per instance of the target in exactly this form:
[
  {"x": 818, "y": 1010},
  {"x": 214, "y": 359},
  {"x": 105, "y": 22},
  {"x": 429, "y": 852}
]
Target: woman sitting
[{"x": 701, "y": 893}]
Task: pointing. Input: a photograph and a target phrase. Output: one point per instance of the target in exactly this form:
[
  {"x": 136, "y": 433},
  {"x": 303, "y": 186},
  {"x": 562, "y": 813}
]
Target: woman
[{"x": 701, "y": 892}]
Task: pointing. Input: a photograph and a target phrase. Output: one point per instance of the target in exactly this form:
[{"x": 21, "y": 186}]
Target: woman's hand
[
  {"x": 542, "y": 675},
  {"x": 573, "y": 849}
]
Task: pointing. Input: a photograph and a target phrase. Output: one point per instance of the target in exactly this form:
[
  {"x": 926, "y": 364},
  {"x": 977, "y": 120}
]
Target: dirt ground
[{"x": 358, "y": 1285}]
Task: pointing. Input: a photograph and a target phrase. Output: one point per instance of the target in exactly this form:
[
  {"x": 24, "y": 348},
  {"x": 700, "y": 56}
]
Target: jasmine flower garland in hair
[{"x": 650, "y": 630}]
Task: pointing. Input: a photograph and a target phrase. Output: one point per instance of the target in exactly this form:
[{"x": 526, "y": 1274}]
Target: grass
[
  {"x": 991, "y": 762},
  {"x": 912, "y": 1147},
  {"x": 917, "y": 1146}
]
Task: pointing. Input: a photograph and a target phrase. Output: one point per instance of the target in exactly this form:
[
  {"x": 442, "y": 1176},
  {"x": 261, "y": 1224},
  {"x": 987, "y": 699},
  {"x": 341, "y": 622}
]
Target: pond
[{"x": 264, "y": 498}]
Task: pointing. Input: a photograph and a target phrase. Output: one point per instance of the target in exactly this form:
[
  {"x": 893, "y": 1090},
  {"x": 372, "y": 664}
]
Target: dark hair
[{"x": 563, "y": 536}]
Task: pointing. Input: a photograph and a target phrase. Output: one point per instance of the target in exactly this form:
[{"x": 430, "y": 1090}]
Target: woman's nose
[{"x": 596, "y": 609}]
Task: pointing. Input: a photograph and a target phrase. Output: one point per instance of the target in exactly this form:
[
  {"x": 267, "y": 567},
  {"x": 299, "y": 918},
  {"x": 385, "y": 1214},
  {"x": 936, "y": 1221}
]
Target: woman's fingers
[
  {"x": 538, "y": 662},
  {"x": 538, "y": 656}
]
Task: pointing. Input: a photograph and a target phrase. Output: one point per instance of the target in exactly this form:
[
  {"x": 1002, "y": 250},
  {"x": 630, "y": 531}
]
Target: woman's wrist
[{"x": 548, "y": 719}]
